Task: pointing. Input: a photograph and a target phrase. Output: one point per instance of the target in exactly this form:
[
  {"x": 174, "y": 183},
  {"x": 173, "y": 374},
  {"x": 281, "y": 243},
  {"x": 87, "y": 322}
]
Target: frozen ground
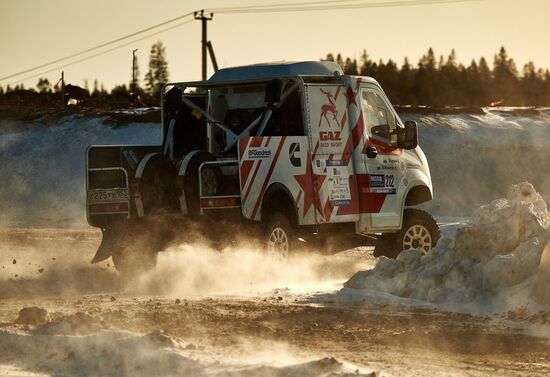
[
  {"x": 240, "y": 312},
  {"x": 237, "y": 313}
]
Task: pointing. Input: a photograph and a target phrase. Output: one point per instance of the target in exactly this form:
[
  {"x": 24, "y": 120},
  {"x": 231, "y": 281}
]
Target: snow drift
[{"x": 491, "y": 264}]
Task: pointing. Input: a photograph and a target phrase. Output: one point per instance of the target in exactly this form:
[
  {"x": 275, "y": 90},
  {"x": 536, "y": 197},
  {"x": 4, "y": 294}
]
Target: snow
[
  {"x": 469, "y": 156},
  {"x": 80, "y": 344},
  {"x": 492, "y": 264},
  {"x": 43, "y": 166}
]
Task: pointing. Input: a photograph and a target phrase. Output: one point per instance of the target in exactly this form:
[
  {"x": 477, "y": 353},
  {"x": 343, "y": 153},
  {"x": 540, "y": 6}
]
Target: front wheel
[
  {"x": 280, "y": 236},
  {"x": 419, "y": 231}
]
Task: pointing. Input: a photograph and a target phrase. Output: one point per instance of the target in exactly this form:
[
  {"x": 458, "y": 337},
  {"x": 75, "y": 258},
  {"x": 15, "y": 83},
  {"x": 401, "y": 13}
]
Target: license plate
[{"x": 111, "y": 195}]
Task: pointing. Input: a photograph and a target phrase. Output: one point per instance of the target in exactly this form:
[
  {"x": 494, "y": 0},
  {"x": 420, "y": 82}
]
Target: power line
[
  {"x": 97, "y": 47},
  {"x": 266, "y": 8},
  {"x": 320, "y": 6},
  {"x": 102, "y": 52},
  {"x": 227, "y": 9}
]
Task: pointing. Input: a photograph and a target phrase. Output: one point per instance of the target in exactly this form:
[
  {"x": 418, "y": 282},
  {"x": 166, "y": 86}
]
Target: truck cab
[{"x": 294, "y": 148}]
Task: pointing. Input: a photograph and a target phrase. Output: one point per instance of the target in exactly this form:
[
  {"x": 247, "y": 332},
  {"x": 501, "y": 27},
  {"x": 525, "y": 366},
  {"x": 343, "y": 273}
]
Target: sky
[{"x": 33, "y": 32}]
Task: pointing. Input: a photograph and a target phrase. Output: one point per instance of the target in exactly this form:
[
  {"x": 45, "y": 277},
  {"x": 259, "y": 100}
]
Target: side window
[
  {"x": 287, "y": 119},
  {"x": 379, "y": 119}
]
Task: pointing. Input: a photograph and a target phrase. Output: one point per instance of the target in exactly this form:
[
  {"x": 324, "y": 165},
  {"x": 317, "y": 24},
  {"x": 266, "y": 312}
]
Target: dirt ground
[{"x": 391, "y": 340}]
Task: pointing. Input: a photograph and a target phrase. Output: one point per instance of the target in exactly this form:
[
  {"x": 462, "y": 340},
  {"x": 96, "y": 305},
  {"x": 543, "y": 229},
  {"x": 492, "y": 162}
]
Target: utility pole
[
  {"x": 134, "y": 71},
  {"x": 63, "y": 88},
  {"x": 204, "y": 19}
]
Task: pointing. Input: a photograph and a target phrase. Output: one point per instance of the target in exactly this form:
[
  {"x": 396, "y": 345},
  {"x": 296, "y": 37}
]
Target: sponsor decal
[
  {"x": 330, "y": 139},
  {"x": 336, "y": 163},
  {"x": 411, "y": 165},
  {"x": 329, "y": 135},
  {"x": 339, "y": 191},
  {"x": 254, "y": 153},
  {"x": 382, "y": 184},
  {"x": 294, "y": 154},
  {"x": 386, "y": 167},
  {"x": 337, "y": 203}
]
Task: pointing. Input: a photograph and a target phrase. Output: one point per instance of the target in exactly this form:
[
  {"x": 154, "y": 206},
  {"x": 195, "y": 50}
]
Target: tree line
[
  {"x": 445, "y": 82},
  {"x": 432, "y": 81},
  {"x": 156, "y": 75}
]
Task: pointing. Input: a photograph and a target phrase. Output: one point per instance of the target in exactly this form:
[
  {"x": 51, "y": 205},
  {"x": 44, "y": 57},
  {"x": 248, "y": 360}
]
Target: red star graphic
[
  {"x": 351, "y": 95},
  {"x": 319, "y": 180},
  {"x": 304, "y": 180}
]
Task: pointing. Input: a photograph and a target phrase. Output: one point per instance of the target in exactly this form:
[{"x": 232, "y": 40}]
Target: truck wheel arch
[
  {"x": 150, "y": 165},
  {"x": 418, "y": 194},
  {"x": 278, "y": 197}
]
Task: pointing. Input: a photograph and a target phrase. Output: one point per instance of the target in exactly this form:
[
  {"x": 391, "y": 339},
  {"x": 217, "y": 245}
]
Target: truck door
[
  {"x": 386, "y": 172},
  {"x": 334, "y": 182}
]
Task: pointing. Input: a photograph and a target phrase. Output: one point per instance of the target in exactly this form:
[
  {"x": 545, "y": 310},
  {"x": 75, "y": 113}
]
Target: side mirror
[
  {"x": 407, "y": 137},
  {"x": 273, "y": 92},
  {"x": 381, "y": 131}
]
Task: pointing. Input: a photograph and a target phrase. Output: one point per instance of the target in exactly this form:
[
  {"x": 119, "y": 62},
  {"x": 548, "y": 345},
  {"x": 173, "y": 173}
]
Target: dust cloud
[
  {"x": 196, "y": 269},
  {"x": 56, "y": 262},
  {"x": 52, "y": 262}
]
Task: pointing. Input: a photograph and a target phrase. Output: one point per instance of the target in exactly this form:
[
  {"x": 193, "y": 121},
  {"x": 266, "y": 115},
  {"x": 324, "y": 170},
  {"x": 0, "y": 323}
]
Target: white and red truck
[{"x": 296, "y": 150}]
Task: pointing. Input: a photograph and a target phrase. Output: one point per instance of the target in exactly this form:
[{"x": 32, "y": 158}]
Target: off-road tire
[
  {"x": 139, "y": 246},
  {"x": 280, "y": 236},
  {"x": 190, "y": 181},
  {"x": 419, "y": 230},
  {"x": 131, "y": 262}
]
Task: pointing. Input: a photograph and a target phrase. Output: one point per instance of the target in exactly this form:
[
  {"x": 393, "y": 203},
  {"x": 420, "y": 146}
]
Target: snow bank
[
  {"x": 81, "y": 345},
  {"x": 43, "y": 164},
  {"x": 491, "y": 264},
  {"x": 473, "y": 158}
]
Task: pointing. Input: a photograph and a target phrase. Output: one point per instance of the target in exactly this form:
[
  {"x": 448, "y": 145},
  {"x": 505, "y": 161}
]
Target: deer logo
[{"x": 329, "y": 107}]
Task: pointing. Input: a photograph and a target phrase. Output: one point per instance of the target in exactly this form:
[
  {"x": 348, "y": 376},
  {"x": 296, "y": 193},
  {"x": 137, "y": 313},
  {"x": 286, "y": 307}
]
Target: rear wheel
[
  {"x": 419, "y": 231},
  {"x": 139, "y": 244},
  {"x": 280, "y": 236},
  {"x": 131, "y": 261}
]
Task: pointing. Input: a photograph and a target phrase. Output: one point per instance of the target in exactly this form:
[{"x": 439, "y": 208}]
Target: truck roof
[{"x": 278, "y": 69}]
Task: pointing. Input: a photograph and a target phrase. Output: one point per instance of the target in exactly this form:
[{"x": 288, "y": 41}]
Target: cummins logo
[
  {"x": 294, "y": 154},
  {"x": 259, "y": 153}
]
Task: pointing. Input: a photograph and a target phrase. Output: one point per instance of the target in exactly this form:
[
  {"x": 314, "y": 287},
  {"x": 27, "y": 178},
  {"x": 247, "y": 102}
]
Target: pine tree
[
  {"x": 387, "y": 76},
  {"x": 339, "y": 60},
  {"x": 43, "y": 85},
  {"x": 505, "y": 82},
  {"x": 350, "y": 67},
  {"x": 158, "y": 70},
  {"x": 95, "y": 92},
  {"x": 532, "y": 85},
  {"x": 328, "y": 58},
  {"x": 406, "y": 84},
  {"x": 425, "y": 79},
  {"x": 368, "y": 67}
]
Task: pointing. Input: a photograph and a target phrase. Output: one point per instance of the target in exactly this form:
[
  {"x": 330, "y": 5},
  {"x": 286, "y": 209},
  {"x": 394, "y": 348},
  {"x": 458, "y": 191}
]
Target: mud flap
[{"x": 110, "y": 243}]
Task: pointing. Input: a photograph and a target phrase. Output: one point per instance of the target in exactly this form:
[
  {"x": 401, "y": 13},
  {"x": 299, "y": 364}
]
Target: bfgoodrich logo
[{"x": 259, "y": 153}]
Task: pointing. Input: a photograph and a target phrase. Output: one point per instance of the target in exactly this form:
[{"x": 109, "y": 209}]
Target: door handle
[{"x": 372, "y": 152}]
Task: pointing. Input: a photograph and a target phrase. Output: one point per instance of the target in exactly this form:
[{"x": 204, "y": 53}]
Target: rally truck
[{"x": 289, "y": 152}]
